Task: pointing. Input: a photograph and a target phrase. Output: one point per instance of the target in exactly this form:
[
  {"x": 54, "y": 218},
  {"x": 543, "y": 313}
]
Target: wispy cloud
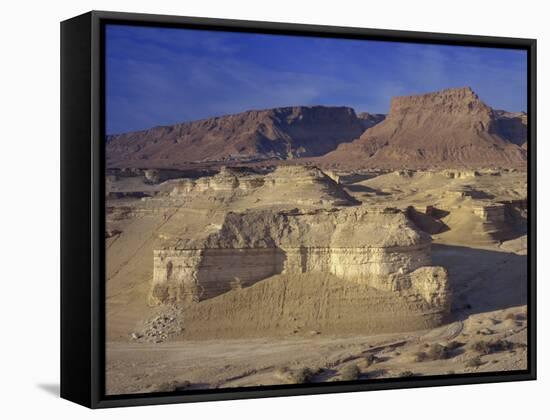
[{"x": 163, "y": 76}]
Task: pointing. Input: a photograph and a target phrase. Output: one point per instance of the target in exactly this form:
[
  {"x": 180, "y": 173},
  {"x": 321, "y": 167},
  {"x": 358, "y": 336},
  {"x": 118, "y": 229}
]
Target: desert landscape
[{"x": 311, "y": 244}]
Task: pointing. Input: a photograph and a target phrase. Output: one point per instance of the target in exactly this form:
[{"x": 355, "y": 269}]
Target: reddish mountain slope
[
  {"x": 280, "y": 133},
  {"x": 452, "y": 127}
]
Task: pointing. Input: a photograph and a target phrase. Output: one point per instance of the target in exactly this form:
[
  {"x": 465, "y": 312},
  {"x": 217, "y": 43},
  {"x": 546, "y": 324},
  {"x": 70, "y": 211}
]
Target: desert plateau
[{"x": 313, "y": 244}]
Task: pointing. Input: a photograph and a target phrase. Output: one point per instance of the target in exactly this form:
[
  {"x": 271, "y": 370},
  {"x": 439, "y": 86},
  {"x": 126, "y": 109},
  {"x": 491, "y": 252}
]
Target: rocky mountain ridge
[
  {"x": 278, "y": 133},
  {"x": 452, "y": 127},
  {"x": 448, "y": 128}
]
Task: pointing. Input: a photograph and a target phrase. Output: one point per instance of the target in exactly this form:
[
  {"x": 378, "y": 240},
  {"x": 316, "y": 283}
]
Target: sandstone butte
[
  {"x": 449, "y": 128},
  {"x": 378, "y": 247}
]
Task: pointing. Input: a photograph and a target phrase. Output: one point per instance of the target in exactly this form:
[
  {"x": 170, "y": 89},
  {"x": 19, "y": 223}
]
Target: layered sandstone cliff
[{"x": 379, "y": 248}]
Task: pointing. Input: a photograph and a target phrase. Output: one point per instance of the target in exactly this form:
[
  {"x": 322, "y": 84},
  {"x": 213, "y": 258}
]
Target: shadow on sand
[
  {"x": 357, "y": 188},
  {"x": 482, "y": 280}
]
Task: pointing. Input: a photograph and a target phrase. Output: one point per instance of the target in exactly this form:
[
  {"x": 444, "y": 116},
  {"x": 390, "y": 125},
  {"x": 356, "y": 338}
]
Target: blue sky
[{"x": 160, "y": 76}]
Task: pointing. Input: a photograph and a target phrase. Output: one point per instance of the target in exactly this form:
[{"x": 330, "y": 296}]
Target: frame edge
[{"x": 76, "y": 264}]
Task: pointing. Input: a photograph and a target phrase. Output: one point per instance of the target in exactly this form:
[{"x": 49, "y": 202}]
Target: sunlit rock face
[
  {"x": 445, "y": 129},
  {"x": 280, "y": 133},
  {"x": 285, "y": 186},
  {"x": 377, "y": 247}
]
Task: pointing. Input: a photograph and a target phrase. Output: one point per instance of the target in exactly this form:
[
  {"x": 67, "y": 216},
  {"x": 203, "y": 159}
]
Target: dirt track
[{"x": 144, "y": 367}]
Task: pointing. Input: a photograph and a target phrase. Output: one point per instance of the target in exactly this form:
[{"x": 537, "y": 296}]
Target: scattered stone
[
  {"x": 488, "y": 347},
  {"x": 159, "y": 328},
  {"x": 370, "y": 359},
  {"x": 297, "y": 376}
]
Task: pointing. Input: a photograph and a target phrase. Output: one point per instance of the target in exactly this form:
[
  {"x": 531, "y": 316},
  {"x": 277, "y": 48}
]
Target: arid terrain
[{"x": 314, "y": 244}]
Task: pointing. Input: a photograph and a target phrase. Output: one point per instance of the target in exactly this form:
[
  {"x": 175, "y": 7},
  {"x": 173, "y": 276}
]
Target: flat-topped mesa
[
  {"x": 449, "y": 128},
  {"x": 452, "y": 101},
  {"x": 380, "y": 248}
]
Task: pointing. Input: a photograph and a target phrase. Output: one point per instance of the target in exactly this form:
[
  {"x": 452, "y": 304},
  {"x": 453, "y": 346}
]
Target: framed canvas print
[{"x": 256, "y": 209}]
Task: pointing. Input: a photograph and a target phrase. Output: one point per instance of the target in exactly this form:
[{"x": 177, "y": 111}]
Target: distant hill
[
  {"x": 370, "y": 120},
  {"x": 511, "y": 126},
  {"x": 279, "y": 133},
  {"x": 452, "y": 127}
]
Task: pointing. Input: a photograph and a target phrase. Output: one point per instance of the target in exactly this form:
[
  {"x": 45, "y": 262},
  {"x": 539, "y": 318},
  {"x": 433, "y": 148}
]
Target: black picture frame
[{"x": 83, "y": 221}]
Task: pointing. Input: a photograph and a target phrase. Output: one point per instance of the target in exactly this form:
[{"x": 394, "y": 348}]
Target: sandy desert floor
[
  {"x": 485, "y": 331},
  {"x": 146, "y": 367}
]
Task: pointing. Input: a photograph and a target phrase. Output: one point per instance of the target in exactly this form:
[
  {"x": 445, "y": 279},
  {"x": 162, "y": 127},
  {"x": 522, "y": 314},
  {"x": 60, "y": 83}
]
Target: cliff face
[
  {"x": 274, "y": 133},
  {"x": 378, "y": 248},
  {"x": 452, "y": 127}
]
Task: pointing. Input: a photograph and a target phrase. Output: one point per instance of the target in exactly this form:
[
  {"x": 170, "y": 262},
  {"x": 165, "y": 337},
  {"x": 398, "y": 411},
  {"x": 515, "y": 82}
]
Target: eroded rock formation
[
  {"x": 280, "y": 133},
  {"x": 452, "y": 127},
  {"x": 380, "y": 248},
  {"x": 285, "y": 186}
]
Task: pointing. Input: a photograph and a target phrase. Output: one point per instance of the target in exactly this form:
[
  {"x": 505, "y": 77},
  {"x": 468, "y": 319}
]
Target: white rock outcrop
[
  {"x": 284, "y": 186},
  {"x": 377, "y": 247}
]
